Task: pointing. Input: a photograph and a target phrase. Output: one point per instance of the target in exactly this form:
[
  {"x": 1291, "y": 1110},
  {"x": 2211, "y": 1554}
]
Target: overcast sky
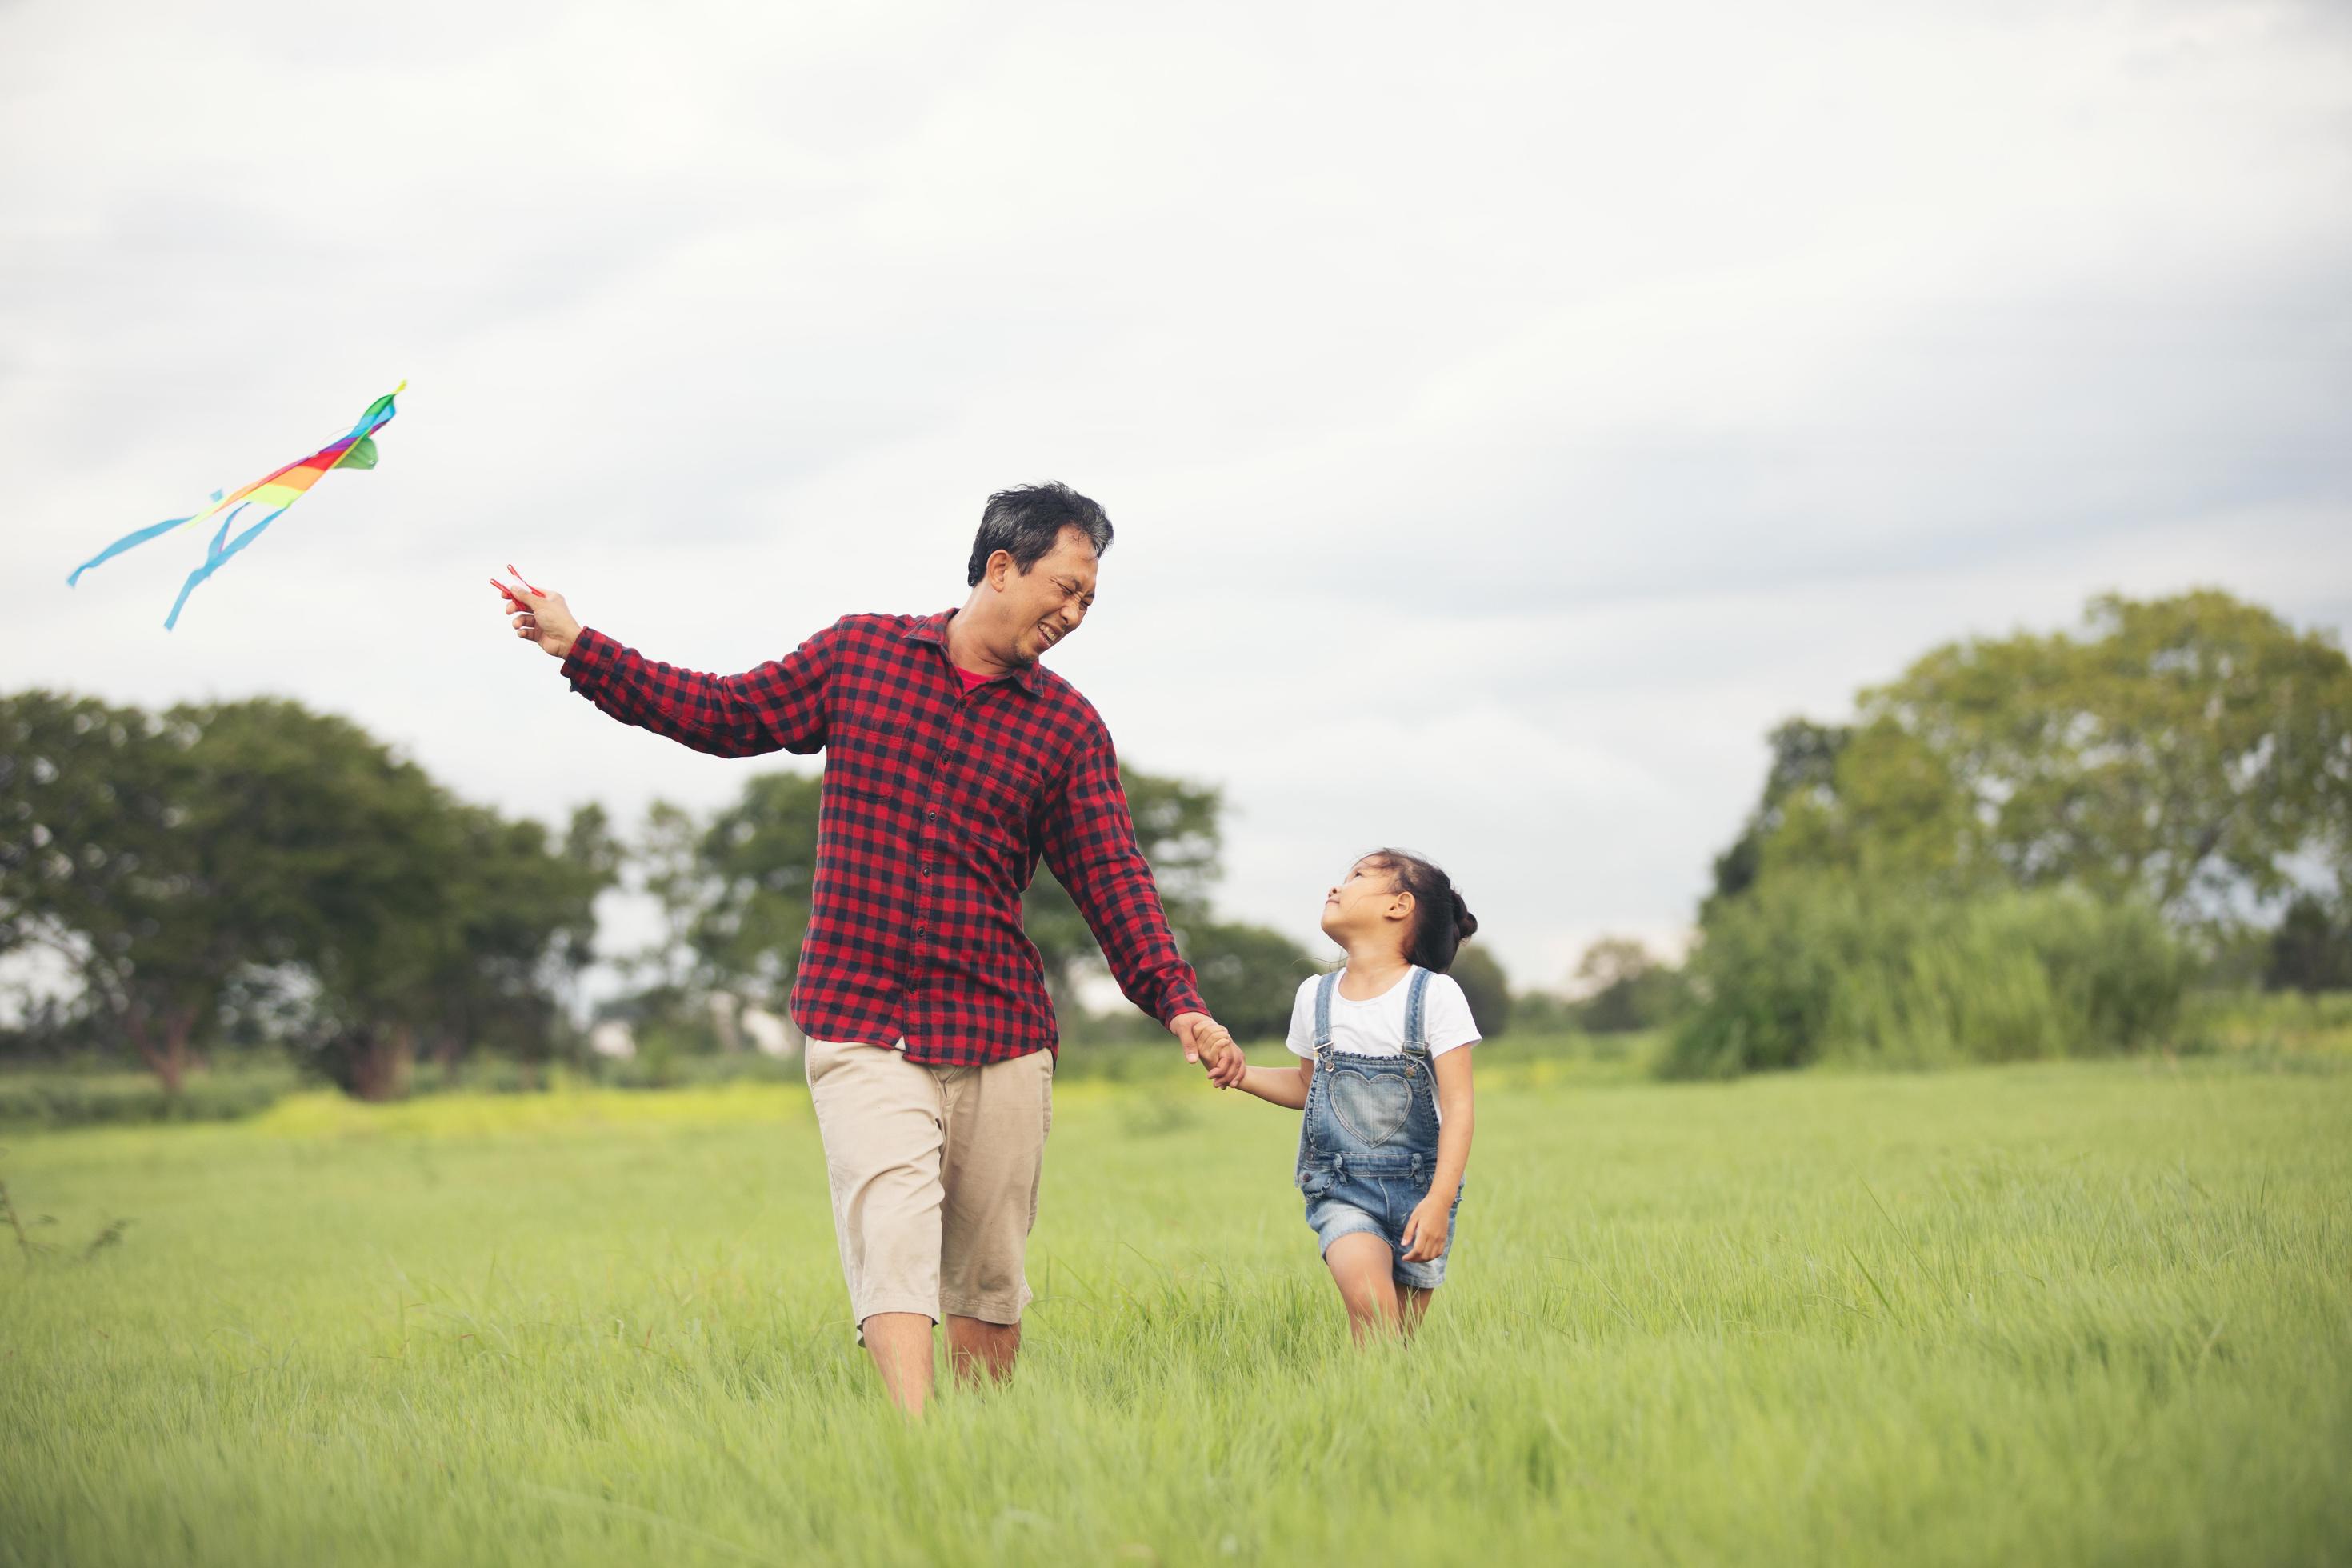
[{"x": 1508, "y": 414}]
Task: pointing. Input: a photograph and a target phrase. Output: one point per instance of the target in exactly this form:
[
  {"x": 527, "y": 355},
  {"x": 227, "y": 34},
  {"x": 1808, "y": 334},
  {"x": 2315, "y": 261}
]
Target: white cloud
[{"x": 1508, "y": 415}]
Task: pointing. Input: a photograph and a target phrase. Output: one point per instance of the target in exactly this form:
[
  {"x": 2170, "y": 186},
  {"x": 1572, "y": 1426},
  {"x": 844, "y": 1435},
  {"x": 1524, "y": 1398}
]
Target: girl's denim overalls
[{"x": 1368, "y": 1144}]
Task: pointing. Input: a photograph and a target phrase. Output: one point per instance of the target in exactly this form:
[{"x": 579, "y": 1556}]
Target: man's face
[{"x": 1047, "y": 603}]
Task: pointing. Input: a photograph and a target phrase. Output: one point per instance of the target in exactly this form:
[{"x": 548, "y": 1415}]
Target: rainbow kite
[{"x": 280, "y": 490}]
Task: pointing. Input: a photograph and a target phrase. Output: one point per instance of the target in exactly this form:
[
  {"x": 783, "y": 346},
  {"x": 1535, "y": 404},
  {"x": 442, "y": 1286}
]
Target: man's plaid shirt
[{"x": 935, "y": 808}]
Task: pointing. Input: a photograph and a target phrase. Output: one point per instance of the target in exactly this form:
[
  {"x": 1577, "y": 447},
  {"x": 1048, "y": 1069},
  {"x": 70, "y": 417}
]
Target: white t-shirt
[{"x": 1375, "y": 1027}]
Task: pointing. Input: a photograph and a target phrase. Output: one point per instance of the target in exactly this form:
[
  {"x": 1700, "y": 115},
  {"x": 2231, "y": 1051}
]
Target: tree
[
  {"x": 521, "y": 925},
  {"x": 1625, "y": 988},
  {"x": 257, "y": 852},
  {"x": 755, "y": 867},
  {"x": 1482, "y": 980},
  {"x": 1249, "y": 976},
  {"x": 357, "y": 868},
  {"x": 2310, "y": 950},
  {"x": 97, "y": 867},
  {"x": 1803, "y": 764},
  {"x": 2188, "y": 750}
]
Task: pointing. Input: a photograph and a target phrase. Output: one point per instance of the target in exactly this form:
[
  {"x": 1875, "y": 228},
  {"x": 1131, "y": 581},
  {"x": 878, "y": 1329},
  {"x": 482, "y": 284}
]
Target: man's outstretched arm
[{"x": 780, "y": 705}]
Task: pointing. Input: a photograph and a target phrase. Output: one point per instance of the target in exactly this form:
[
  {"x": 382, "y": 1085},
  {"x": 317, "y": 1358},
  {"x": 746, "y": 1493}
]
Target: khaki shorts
[{"x": 934, "y": 1175}]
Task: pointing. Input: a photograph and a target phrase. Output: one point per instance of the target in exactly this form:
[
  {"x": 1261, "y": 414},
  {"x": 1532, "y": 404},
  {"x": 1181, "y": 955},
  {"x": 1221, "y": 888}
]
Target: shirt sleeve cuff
[
  {"x": 1183, "y": 1000},
  {"x": 592, "y": 651}
]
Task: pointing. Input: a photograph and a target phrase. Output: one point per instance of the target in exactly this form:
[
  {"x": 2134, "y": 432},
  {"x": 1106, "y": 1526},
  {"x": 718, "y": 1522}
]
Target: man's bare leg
[
  {"x": 1365, "y": 1270},
  {"x": 976, "y": 1346},
  {"x": 900, "y": 1344},
  {"x": 1413, "y": 1301}
]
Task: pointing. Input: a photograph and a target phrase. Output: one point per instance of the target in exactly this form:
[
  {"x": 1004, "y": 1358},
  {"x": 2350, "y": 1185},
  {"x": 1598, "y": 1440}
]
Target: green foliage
[
  {"x": 1480, "y": 974},
  {"x": 112, "y": 857},
  {"x": 284, "y": 861},
  {"x": 2185, "y": 750},
  {"x": 63, "y": 1098},
  {"x": 1805, "y": 970},
  {"x": 736, "y": 890},
  {"x": 424, "y": 921},
  {"x": 1625, "y": 988},
  {"x": 2073, "y": 1313},
  {"x": 2310, "y": 950},
  {"x": 1803, "y": 766},
  {"x": 2178, "y": 758},
  {"x": 1249, "y": 976},
  {"x": 2291, "y": 1028}
]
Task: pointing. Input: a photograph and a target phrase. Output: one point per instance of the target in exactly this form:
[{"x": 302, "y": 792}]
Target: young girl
[{"x": 1385, "y": 1085}]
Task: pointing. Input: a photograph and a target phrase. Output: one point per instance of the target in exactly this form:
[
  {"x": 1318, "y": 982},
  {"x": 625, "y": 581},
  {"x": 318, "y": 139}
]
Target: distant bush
[
  {"x": 2311, "y": 951},
  {"x": 697, "y": 1071},
  {"x": 64, "y": 1097},
  {"x": 2269, "y": 1023},
  {"x": 1815, "y": 969},
  {"x": 1626, "y": 988}
]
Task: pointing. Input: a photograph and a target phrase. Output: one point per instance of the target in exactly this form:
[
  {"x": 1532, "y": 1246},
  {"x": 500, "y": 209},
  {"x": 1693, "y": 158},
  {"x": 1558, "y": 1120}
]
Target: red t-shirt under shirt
[{"x": 972, "y": 682}]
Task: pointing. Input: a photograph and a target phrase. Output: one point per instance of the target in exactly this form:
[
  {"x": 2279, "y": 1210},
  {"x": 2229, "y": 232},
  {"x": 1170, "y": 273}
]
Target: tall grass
[
  {"x": 2082, "y": 1312},
  {"x": 1817, "y": 970}
]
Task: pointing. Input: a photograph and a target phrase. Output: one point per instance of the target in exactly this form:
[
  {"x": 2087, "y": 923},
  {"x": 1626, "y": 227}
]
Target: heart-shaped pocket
[{"x": 1373, "y": 1106}]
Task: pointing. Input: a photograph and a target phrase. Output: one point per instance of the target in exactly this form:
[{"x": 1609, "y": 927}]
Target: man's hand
[
  {"x": 1199, "y": 1034},
  {"x": 1218, "y": 1053},
  {"x": 543, "y": 618},
  {"x": 1425, "y": 1228}
]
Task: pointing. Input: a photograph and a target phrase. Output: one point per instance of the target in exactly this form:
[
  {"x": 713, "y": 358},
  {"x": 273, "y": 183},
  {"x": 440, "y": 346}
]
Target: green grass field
[{"x": 2071, "y": 1313}]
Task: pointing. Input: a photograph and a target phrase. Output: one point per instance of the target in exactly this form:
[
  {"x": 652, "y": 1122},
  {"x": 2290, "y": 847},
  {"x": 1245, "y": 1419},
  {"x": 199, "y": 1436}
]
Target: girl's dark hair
[
  {"x": 1442, "y": 923},
  {"x": 1027, "y": 520}
]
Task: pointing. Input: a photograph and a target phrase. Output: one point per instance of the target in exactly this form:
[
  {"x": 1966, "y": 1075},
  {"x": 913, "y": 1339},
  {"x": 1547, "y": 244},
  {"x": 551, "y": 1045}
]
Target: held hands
[
  {"x": 1425, "y": 1228},
  {"x": 540, "y": 617},
  {"x": 1210, "y": 1043},
  {"x": 1228, "y": 1067}
]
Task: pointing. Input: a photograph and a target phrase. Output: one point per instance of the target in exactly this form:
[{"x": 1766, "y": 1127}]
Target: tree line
[
  {"x": 252, "y": 872},
  {"x": 2022, "y": 846},
  {"x": 256, "y": 875},
  {"x": 2031, "y": 845}
]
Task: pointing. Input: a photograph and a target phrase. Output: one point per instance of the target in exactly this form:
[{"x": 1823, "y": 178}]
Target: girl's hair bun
[{"x": 1466, "y": 924}]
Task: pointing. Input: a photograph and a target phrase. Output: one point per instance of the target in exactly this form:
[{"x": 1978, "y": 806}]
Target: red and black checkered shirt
[{"x": 936, "y": 806}]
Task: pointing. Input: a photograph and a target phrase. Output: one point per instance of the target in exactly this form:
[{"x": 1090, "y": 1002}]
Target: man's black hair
[{"x": 1026, "y": 521}]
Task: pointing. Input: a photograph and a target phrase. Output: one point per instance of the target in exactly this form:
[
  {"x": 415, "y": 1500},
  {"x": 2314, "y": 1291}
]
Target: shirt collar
[{"x": 933, "y": 629}]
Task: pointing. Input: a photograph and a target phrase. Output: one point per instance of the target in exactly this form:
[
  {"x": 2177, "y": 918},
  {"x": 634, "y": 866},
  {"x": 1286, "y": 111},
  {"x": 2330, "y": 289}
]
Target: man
[{"x": 953, "y": 760}]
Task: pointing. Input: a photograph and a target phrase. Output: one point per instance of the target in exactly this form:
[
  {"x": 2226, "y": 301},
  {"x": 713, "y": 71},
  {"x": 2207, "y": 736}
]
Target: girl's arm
[
  {"x": 1424, "y": 1231},
  {"x": 1277, "y": 1086}
]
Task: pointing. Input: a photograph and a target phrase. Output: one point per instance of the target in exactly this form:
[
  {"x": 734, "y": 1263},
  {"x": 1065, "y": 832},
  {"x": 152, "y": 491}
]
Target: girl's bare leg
[
  {"x": 1365, "y": 1270},
  {"x": 1413, "y": 1303}
]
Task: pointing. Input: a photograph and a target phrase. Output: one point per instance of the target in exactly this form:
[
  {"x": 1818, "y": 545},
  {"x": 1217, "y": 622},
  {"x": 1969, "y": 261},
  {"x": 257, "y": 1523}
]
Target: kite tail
[
  {"x": 141, "y": 537},
  {"x": 217, "y": 557}
]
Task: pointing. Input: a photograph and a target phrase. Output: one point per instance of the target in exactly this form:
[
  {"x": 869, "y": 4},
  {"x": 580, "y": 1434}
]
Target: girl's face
[{"x": 1365, "y": 902}]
